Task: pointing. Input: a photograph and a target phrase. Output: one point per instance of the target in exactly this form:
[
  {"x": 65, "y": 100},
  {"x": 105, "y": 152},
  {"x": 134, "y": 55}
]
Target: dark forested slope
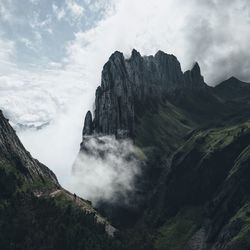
[{"x": 36, "y": 212}]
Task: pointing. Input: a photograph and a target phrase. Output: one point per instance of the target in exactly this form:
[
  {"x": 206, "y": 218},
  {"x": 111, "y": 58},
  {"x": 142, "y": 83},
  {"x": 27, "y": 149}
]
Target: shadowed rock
[
  {"x": 131, "y": 83},
  {"x": 88, "y": 124},
  {"x": 193, "y": 78}
]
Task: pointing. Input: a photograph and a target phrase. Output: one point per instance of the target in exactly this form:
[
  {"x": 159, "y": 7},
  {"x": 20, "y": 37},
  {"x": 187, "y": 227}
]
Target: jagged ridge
[
  {"x": 129, "y": 83},
  {"x": 196, "y": 139}
]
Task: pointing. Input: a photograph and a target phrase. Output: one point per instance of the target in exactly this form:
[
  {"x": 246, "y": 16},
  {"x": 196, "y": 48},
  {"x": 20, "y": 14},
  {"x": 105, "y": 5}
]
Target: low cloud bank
[{"x": 106, "y": 169}]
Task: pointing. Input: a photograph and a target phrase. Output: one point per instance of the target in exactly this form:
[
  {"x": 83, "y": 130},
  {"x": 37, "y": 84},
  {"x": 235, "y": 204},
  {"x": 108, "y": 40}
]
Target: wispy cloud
[
  {"x": 207, "y": 32},
  {"x": 71, "y": 11},
  {"x": 7, "y": 50},
  {"x": 26, "y": 42},
  {"x": 6, "y": 8},
  {"x": 108, "y": 171},
  {"x": 59, "y": 12},
  {"x": 44, "y": 24},
  {"x": 76, "y": 9}
]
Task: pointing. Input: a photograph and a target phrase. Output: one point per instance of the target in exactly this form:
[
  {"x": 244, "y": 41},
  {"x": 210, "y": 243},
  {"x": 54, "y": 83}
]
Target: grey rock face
[
  {"x": 36, "y": 175},
  {"x": 88, "y": 124},
  {"x": 193, "y": 78},
  {"x": 198, "y": 240},
  {"x": 13, "y": 153},
  {"x": 131, "y": 83}
]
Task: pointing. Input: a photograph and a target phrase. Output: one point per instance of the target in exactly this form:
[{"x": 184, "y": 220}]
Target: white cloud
[
  {"x": 53, "y": 100},
  {"x": 6, "y": 8},
  {"x": 76, "y": 10},
  {"x": 59, "y": 12},
  {"x": 37, "y": 36},
  {"x": 193, "y": 30},
  {"x": 55, "y": 65},
  {"x": 57, "y": 145},
  {"x": 34, "y": 1},
  {"x": 7, "y": 56},
  {"x": 70, "y": 11},
  {"x": 34, "y": 99},
  {"x": 7, "y": 50},
  {"x": 100, "y": 5},
  {"x": 26, "y": 42},
  {"x": 44, "y": 24},
  {"x": 108, "y": 172}
]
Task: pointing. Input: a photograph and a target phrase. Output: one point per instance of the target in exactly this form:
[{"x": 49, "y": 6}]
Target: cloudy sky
[{"x": 52, "y": 53}]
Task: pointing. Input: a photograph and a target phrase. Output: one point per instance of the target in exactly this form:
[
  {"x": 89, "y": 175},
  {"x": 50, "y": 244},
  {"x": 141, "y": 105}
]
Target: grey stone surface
[
  {"x": 88, "y": 124},
  {"x": 13, "y": 152},
  {"x": 129, "y": 83}
]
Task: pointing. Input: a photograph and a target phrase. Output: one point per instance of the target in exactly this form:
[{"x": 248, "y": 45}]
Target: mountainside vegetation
[
  {"x": 193, "y": 192},
  {"x": 195, "y": 138},
  {"x": 36, "y": 212}
]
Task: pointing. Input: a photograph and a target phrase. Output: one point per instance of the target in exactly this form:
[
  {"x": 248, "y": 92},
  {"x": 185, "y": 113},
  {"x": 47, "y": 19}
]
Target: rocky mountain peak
[
  {"x": 127, "y": 83},
  {"x": 196, "y": 69},
  {"x": 193, "y": 78},
  {"x": 233, "y": 82},
  {"x": 195, "y": 140},
  {"x": 135, "y": 54},
  {"x": 233, "y": 78},
  {"x": 88, "y": 124},
  {"x": 233, "y": 89},
  {"x": 116, "y": 55}
]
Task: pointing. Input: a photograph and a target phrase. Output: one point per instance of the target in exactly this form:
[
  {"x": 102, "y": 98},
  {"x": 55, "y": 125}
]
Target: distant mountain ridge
[{"x": 233, "y": 88}]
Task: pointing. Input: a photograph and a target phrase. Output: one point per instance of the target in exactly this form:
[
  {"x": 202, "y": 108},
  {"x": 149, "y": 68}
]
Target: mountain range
[{"x": 193, "y": 191}]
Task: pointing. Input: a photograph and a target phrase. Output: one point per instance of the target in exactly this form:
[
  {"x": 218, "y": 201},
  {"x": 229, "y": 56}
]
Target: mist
[
  {"x": 57, "y": 144},
  {"x": 106, "y": 169}
]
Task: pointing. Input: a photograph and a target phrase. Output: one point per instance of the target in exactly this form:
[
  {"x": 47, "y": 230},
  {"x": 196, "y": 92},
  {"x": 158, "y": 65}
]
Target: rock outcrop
[
  {"x": 129, "y": 84},
  {"x": 193, "y": 78},
  {"x": 88, "y": 124}
]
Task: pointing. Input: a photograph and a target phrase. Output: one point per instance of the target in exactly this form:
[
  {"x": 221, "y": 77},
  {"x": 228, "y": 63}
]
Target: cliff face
[
  {"x": 128, "y": 84},
  {"x": 13, "y": 154},
  {"x": 32, "y": 203}
]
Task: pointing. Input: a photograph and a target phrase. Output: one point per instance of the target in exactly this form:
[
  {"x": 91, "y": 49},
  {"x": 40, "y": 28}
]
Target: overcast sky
[{"x": 52, "y": 53}]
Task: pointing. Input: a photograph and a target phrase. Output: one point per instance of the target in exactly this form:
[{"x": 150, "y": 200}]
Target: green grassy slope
[
  {"x": 211, "y": 170},
  {"x": 30, "y": 222}
]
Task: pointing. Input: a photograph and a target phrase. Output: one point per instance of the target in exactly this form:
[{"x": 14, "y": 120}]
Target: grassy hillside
[
  {"x": 211, "y": 170},
  {"x": 30, "y": 222}
]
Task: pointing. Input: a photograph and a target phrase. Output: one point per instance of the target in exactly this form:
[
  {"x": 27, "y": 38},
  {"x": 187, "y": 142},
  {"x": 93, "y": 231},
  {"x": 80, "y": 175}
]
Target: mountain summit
[{"x": 128, "y": 84}]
